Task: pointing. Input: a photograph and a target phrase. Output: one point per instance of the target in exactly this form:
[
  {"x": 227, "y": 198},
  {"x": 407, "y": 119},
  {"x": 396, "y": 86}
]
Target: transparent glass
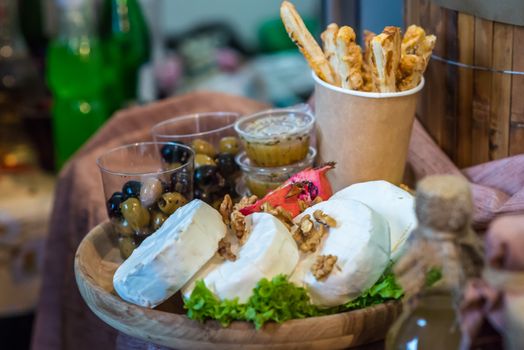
[
  {"x": 214, "y": 141},
  {"x": 210, "y": 127},
  {"x": 142, "y": 189},
  {"x": 432, "y": 324}
]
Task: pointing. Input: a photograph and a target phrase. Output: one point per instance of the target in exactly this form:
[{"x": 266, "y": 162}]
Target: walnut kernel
[{"x": 323, "y": 266}]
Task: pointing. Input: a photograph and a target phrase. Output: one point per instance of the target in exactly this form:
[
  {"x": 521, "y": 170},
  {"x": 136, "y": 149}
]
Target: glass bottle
[
  {"x": 76, "y": 76},
  {"x": 431, "y": 324},
  {"x": 20, "y": 91},
  {"x": 443, "y": 241},
  {"x": 126, "y": 41}
]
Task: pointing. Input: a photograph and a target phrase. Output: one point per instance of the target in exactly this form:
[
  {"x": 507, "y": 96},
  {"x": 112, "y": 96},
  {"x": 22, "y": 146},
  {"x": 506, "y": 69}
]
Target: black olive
[
  {"x": 226, "y": 164},
  {"x": 207, "y": 177},
  {"x": 113, "y": 205},
  {"x": 202, "y": 195},
  {"x": 173, "y": 153},
  {"x": 181, "y": 182},
  {"x": 131, "y": 189}
]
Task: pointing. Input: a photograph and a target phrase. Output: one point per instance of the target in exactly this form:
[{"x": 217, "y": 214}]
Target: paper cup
[{"x": 366, "y": 133}]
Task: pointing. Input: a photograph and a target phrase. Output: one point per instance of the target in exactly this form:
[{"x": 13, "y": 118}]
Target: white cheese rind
[
  {"x": 360, "y": 241},
  {"x": 269, "y": 251},
  {"x": 167, "y": 259},
  {"x": 392, "y": 202}
]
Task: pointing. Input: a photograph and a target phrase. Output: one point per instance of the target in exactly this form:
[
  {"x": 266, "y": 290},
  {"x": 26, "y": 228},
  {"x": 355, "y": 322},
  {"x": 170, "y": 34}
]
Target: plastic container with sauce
[
  {"x": 261, "y": 180},
  {"x": 276, "y": 137}
]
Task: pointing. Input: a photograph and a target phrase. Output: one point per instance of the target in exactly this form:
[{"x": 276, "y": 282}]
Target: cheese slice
[
  {"x": 360, "y": 241},
  {"x": 390, "y": 201},
  {"x": 167, "y": 259},
  {"x": 269, "y": 251}
]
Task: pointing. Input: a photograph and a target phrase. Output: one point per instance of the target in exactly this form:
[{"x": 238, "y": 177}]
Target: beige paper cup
[{"x": 366, "y": 133}]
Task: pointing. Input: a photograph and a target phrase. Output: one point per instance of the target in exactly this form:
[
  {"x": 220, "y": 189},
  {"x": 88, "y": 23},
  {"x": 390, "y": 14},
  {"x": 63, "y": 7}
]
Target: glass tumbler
[
  {"x": 214, "y": 141},
  {"x": 142, "y": 189}
]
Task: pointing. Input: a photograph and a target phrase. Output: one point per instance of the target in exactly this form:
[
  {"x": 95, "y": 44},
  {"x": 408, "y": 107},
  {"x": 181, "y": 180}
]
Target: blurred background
[{"x": 67, "y": 65}]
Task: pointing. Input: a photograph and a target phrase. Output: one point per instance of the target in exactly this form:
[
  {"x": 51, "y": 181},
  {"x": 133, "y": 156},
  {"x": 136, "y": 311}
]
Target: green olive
[
  {"x": 126, "y": 245},
  {"x": 173, "y": 165},
  {"x": 171, "y": 201},
  {"x": 122, "y": 228},
  {"x": 157, "y": 219},
  {"x": 202, "y": 159},
  {"x": 136, "y": 215},
  {"x": 203, "y": 147},
  {"x": 229, "y": 144},
  {"x": 150, "y": 191}
]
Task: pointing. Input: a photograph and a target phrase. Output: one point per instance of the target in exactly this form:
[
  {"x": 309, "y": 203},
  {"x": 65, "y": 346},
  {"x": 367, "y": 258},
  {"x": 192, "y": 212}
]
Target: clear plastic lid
[{"x": 275, "y": 124}]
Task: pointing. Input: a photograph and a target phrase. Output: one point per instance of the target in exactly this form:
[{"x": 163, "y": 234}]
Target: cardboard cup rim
[{"x": 369, "y": 94}]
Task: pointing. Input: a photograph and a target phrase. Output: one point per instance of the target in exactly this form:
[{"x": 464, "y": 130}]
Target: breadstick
[
  {"x": 349, "y": 59},
  {"x": 413, "y": 38},
  {"x": 410, "y": 71},
  {"x": 416, "y": 52},
  {"x": 329, "y": 37},
  {"x": 366, "y": 63},
  {"x": 306, "y": 43},
  {"x": 385, "y": 59}
]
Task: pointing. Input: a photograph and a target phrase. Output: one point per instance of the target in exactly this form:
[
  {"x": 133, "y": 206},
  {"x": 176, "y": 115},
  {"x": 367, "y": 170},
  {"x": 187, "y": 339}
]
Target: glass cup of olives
[
  {"x": 213, "y": 139},
  {"x": 142, "y": 189}
]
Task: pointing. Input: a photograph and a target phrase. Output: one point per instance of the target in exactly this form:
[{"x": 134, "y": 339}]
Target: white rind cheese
[
  {"x": 390, "y": 201},
  {"x": 167, "y": 259},
  {"x": 360, "y": 241},
  {"x": 269, "y": 251}
]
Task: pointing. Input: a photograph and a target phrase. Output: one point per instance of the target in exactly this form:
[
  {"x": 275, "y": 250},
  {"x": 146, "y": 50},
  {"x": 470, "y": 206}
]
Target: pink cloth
[
  {"x": 63, "y": 320},
  {"x": 497, "y": 186}
]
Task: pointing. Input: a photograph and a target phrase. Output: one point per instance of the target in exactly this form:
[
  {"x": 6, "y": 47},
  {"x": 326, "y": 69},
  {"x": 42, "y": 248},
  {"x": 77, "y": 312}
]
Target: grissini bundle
[{"x": 389, "y": 63}]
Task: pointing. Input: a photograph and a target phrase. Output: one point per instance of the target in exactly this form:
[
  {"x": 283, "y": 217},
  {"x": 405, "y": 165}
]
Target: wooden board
[{"x": 97, "y": 258}]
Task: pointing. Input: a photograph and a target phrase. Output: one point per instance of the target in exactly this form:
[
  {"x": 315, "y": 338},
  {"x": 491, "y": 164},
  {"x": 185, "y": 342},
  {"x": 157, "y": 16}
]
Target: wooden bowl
[{"x": 98, "y": 257}]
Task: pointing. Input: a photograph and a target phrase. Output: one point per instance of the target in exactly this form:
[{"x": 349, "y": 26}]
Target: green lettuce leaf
[
  {"x": 279, "y": 300},
  {"x": 433, "y": 276}
]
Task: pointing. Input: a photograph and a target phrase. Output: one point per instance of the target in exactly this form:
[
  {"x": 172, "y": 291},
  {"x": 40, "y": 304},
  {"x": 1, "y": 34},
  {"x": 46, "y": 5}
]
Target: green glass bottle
[
  {"x": 76, "y": 77},
  {"x": 126, "y": 41}
]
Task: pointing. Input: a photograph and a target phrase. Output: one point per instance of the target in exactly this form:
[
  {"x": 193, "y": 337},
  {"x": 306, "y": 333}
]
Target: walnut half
[
  {"x": 226, "y": 208},
  {"x": 323, "y": 266},
  {"x": 224, "y": 250},
  {"x": 324, "y": 218},
  {"x": 238, "y": 225},
  {"x": 308, "y": 234},
  {"x": 232, "y": 216},
  {"x": 280, "y": 213}
]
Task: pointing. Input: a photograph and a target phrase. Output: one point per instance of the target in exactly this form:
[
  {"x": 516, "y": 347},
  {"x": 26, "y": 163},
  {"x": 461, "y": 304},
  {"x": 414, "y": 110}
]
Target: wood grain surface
[
  {"x": 97, "y": 258},
  {"x": 474, "y": 115}
]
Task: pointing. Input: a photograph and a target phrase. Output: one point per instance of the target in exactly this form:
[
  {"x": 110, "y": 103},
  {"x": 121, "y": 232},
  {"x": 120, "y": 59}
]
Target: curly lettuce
[{"x": 279, "y": 300}]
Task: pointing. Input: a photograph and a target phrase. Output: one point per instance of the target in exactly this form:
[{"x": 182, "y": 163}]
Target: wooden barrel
[{"x": 472, "y": 109}]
